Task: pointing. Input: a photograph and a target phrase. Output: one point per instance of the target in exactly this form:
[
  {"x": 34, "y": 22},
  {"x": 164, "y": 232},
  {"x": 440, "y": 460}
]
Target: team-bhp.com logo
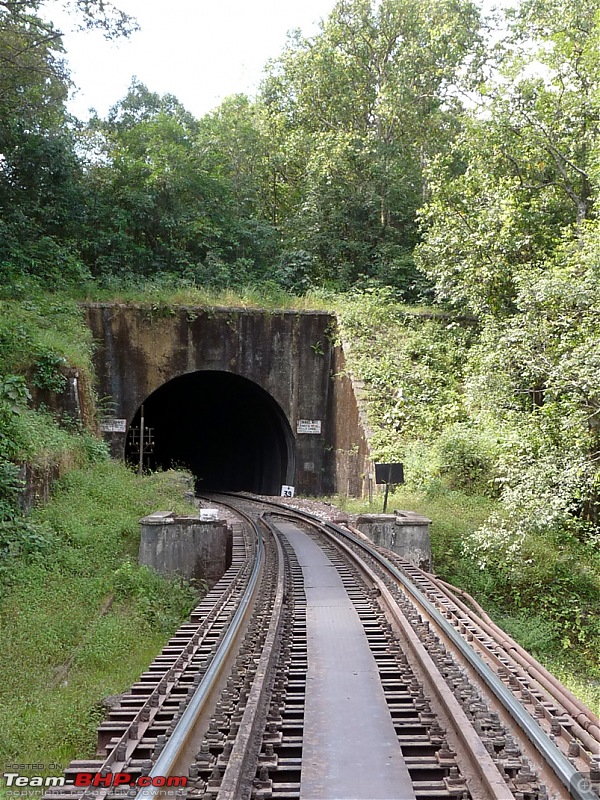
[
  {"x": 586, "y": 784},
  {"x": 84, "y": 779}
]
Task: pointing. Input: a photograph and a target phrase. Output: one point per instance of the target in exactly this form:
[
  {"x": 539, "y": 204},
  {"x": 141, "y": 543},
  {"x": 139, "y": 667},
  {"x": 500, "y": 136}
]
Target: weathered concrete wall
[
  {"x": 75, "y": 400},
  {"x": 185, "y": 546},
  {"x": 404, "y": 532},
  {"x": 37, "y": 484},
  {"x": 289, "y": 354},
  {"x": 350, "y": 461}
]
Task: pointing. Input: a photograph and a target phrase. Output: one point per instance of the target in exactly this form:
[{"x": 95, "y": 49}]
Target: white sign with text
[
  {"x": 113, "y": 425},
  {"x": 309, "y": 426}
]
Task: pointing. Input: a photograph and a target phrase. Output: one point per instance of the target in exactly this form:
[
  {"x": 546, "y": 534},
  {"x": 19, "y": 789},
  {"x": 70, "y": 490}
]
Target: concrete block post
[
  {"x": 183, "y": 545},
  {"x": 404, "y": 532}
]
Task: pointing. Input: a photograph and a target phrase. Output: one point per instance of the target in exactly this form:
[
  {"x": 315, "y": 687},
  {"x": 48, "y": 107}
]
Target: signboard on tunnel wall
[
  {"x": 113, "y": 425},
  {"x": 308, "y": 426}
]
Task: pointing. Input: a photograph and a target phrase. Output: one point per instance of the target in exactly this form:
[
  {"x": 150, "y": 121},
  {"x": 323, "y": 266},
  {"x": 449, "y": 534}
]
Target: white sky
[{"x": 199, "y": 50}]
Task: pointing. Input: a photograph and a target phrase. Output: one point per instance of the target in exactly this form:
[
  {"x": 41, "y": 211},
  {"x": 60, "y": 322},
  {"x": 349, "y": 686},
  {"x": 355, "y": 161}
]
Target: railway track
[{"x": 321, "y": 667}]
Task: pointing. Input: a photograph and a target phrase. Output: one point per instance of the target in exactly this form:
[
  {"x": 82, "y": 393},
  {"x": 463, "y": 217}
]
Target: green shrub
[
  {"x": 467, "y": 459},
  {"x": 546, "y": 572},
  {"x": 42, "y": 333},
  {"x": 158, "y": 601},
  {"x": 412, "y": 368},
  {"x": 19, "y": 541},
  {"x": 11, "y": 486},
  {"x": 47, "y": 371}
]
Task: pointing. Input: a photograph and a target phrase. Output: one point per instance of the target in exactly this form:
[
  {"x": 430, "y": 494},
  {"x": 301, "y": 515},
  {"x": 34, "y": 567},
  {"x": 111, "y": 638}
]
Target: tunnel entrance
[{"x": 228, "y": 431}]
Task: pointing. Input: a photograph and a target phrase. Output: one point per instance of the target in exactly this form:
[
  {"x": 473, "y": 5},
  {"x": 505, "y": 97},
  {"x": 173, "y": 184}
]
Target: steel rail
[
  {"x": 587, "y": 721},
  {"x": 527, "y": 666},
  {"x": 562, "y": 767},
  {"x": 117, "y": 761},
  {"x": 583, "y": 725},
  {"x": 570, "y": 777},
  {"x": 586, "y": 724},
  {"x": 167, "y": 758},
  {"x": 246, "y": 748},
  {"x": 490, "y": 779},
  {"x": 486, "y": 777}
]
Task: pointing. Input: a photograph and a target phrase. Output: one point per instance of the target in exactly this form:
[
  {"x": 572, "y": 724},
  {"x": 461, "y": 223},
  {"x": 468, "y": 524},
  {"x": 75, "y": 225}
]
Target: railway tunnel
[
  {"x": 228, "y": 431},
  {"x": 246, "y": 399}
]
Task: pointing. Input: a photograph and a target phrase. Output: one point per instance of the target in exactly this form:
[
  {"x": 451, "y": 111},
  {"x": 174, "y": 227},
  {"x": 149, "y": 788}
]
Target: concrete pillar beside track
[
  {"x": 404, "y": 532},
  {"x": 181, "y": 545}
]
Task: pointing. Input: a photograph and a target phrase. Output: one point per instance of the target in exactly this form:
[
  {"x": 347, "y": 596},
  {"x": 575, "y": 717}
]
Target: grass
[
  {"x": 39, "y": 326},
  {"x": 80, "y": 620},
  {"x": 456, "y": 515},
  {"x": 268, "y": 296}
]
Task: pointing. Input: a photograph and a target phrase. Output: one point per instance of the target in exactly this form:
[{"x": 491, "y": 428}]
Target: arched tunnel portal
[{"x": 228, "y": 431}]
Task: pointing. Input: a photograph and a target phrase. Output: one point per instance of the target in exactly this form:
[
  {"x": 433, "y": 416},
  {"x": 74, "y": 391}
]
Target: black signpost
[{"x": 390, "y": 474}]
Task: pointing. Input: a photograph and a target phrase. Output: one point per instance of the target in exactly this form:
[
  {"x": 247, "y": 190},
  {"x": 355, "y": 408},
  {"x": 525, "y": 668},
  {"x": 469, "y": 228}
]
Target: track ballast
[{"x": 323, "y": 668}]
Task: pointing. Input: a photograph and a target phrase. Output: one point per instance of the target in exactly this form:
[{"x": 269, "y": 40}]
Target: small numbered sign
[{"x": 287, "y": 491}]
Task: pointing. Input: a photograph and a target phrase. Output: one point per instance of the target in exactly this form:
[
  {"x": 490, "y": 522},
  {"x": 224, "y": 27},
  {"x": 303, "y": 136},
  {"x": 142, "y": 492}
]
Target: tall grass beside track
[
  {"x": 455, "y": 517},
  {"x": 79, "y": 619}
]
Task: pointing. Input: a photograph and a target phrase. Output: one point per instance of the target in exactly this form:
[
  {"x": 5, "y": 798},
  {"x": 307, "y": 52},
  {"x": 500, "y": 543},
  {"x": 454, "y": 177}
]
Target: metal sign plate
[
  {"x": 308, "y": 426},
  {"x": 287, "y": 491},
  {"x": 389, "y": 473},
  {"x": 113, "y": 425}
]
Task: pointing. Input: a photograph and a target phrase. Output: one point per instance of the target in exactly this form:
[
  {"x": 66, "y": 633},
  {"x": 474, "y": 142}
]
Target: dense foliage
[
  {"x": 441, "y": 398},
  {"x": 315, "y": 181},
  {"x": 397, "y": 125},
  {"x": 408, "y": 151},
  {"x": 511, "y": 233}
]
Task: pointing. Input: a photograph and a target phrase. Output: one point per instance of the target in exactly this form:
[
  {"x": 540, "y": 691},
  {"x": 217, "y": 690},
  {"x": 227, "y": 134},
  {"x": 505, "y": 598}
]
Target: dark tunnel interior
[{"x": 229, "y": 432}]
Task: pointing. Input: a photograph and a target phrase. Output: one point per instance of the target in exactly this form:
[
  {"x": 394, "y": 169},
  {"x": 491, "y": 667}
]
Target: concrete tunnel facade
[{"x": 246, "y": 400}]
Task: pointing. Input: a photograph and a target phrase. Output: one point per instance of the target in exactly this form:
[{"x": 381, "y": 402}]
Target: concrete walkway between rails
[{"x": 350, "y": 749}]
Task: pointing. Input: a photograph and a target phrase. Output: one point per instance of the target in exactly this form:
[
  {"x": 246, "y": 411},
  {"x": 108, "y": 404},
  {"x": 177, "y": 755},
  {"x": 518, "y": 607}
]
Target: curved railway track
[{"x": 324, "y": 668}]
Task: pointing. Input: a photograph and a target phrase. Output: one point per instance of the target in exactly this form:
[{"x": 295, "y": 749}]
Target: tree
[
  {"x": 523, "y": 169},
  {"x": 535, "y": 379},
  {"x": 102, "y": 15},
  {"x": 33, "y": 74},
  {"x": 156, "y": 202},
  {"x": 511, "y": 231},
  {"x": 41, "y": 201},
  {"x": 239, "y": 150},
  {"x": 37, "y": 164},
  {"x": 360, "y": 109}
]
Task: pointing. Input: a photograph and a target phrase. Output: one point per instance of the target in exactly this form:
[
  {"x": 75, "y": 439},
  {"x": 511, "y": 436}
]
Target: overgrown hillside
[
  {"x": 42, "y": 341},
  {"x": 510, "y": 483},
  {"x": 78, "y": 616}
]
